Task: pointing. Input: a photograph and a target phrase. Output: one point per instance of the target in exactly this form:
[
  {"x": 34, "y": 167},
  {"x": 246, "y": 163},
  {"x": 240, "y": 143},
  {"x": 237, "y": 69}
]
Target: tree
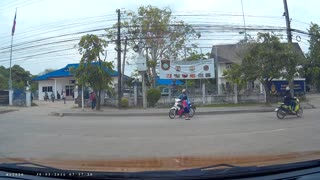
[
  {"x": 92, "y": 70},
  {"x": 265, "y": 60},
  {"x": 312, "y": 67},
  {"x": 46, "y": 71},
  {"x": 235, "y": 75},
  {"x": 19, "y": 78},
  {"x": 293, "y": 65},
  {"x": 162, "y": 34},
  {"x": 194, "y": 56}
]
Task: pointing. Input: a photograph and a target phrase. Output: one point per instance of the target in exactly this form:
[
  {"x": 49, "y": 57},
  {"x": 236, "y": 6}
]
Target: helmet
[
  {"x": 183, "y": 90},
  {"x": 287, "y": 88}
]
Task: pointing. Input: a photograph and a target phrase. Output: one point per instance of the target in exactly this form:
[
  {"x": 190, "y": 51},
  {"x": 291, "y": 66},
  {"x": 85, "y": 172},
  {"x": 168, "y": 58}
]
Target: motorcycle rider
[
  {"x": 288, "y": 99},
  {"x": 184, "y": 98}
]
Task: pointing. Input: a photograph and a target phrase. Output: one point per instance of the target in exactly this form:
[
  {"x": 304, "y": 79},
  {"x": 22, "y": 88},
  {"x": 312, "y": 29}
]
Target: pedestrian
[
  {"x": 63, "y": 94},
  {"x": 93, "y": 99},
  {"x": 52, "y": 97}
]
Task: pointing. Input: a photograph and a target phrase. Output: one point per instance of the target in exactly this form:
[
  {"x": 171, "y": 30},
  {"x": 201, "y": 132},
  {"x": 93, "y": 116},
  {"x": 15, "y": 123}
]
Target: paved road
[{"x": 36, "y": 135}]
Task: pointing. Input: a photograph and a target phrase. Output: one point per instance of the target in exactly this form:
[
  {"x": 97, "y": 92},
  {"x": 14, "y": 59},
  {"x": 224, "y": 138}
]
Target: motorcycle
[
  {"x": 177, "y": 109},
  {"x": 283, "y": 110}
]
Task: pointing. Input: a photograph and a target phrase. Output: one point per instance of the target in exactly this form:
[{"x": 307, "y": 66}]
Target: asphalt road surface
[{"x": 41, "y": 136}]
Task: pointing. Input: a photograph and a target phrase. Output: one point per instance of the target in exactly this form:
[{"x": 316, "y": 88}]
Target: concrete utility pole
[
  {"x": 286, "y": 14},
  {"x": 119, "y": 59},
  {"x": 289, "y": 35},
  {"x": 124, "y": 62}
]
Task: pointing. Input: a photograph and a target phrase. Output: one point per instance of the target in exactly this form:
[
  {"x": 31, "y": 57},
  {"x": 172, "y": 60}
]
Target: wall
[{"x": 42, "y": 84}]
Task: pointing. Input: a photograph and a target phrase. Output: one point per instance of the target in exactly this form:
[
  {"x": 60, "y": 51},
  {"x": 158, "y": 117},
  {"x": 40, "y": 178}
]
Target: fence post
[
  {"x": 135, "y": 90},
  {"x": 235, "y": 89},
  {"x": 169, "y": 94},
  {"x": 10, "y": 97},
  {"x": 28, "y": 98},
  {"x": 203, "y": 93}
]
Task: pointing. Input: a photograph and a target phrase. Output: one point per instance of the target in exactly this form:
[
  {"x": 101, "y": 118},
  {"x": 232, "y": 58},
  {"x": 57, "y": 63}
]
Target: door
[{"x": 69, "y": 91}]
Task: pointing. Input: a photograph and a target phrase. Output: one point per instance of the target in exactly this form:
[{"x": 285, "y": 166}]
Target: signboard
[
  {"x": 141, "y": 63},
  {"x": 279, "y": 86},
  {"x": 202, "y": 69}
]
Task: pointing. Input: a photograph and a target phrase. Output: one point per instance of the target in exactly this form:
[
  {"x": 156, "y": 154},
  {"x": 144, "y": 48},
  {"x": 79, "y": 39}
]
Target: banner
[{"x": 201, "y": 69}]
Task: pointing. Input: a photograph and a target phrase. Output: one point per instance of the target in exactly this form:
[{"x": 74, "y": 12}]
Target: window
[
  {"x": 69, "y": 90},
  {"x": 228, "y": 66},
  {"x": 47, "y": 89},
  {"x": 72, "y": 81}
]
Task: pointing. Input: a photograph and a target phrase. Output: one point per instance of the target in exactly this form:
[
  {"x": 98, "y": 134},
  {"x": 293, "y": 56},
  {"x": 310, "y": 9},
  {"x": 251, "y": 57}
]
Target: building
[
  {"x": 226, "y": 55},
  {"x": 62, "y": 80}
]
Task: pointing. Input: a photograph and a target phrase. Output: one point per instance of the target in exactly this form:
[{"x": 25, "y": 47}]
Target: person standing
[
  {"x": 63, "y": 94},
  {"x": 93, "y": 99},
  {"x": 52, "y": 97}
]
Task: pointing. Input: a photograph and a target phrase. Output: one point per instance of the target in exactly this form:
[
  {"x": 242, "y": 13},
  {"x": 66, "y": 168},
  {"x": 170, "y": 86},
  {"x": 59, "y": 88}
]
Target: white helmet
[
  {"x": 183, "y": 90},
  {"x": 287, "y": 88}
]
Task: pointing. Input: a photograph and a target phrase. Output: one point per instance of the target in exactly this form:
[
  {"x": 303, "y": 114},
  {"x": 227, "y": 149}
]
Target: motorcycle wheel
[
  {"x": 300, "y": 112},
  {"x": 191, "y": 112},
  {"x": 172, "y": 113},
  {"x": 280, "y": 114}
]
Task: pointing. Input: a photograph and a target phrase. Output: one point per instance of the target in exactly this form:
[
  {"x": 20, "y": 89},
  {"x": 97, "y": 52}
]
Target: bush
[
  {"x": 124, "y": 103},
  {"x": 153, "y": 96}
]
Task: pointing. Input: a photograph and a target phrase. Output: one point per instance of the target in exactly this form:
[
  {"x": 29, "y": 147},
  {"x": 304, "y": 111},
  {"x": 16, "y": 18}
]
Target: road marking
[{"x": 265, "y": 131}]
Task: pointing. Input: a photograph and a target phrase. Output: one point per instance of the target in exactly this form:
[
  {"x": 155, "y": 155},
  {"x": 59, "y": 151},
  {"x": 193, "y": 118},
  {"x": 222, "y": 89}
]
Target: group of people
[{"x": 53, "y": 97}]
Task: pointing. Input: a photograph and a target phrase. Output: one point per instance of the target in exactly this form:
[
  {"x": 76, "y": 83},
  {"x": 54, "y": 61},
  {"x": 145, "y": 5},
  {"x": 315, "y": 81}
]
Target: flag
[{"x": 14, "y": 23}]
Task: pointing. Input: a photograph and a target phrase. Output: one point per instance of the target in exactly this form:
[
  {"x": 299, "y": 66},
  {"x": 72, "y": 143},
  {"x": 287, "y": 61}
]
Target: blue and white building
[{"x": 62, "y": 80}]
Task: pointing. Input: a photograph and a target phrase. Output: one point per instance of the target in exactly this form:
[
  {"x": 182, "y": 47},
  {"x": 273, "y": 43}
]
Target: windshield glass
[{"x": 159, "y": 85}]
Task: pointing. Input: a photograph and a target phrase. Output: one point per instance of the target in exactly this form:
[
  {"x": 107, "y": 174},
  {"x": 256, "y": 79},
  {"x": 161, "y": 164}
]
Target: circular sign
[
  {"x": 206, "y": 67},
  {"x": 165, "y": 66}
]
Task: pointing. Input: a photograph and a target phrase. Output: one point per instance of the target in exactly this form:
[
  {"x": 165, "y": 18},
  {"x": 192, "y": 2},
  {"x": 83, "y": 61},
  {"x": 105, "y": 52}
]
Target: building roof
[
  {"x": 234, "y": 53},
  {"x": 65, "y": 72}
]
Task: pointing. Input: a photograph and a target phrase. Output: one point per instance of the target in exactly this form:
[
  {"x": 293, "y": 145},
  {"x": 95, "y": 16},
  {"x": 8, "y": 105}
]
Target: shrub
[
  {"x": 124, "y": 102},
  {"x": 153, "y": 96}
]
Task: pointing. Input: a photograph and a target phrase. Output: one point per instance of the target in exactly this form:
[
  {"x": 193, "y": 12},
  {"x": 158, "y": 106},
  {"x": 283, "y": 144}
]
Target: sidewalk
[
  {"x": 106, "y": 111},
  {"x": 70, "y": 109}
]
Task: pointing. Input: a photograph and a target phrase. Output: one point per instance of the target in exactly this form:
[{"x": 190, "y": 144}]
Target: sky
[{"x": 47, "y": 20}]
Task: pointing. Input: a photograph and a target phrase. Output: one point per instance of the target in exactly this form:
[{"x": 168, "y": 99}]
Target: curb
[
  {"x": 6, "y": 111},
  {"x": 268, "y": 109},
  {"x": 157, "y": 113},
  {"x": 216, "y": 112}
]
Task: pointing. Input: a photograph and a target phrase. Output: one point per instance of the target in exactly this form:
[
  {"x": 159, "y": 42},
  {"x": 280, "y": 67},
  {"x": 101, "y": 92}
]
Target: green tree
[
  {"x": 46, "y": 71},
  {"x": 265, "y": 60},
  {"x": 312, "y": 67},
  {"x": 157, "y": 29},
  {"x": 235, "y": 75},
  {"x": 93, "y": 71},
  {"x": 19, "y": 77},
  {"x": 294, "y": 62}
]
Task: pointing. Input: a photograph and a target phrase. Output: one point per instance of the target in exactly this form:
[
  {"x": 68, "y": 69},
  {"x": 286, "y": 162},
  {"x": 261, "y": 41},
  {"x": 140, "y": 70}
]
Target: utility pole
[
  {"x": 124, "y": 61},
  {"x": 289, "y": 35},
  {"x": 286, "y": 14},
  {"x": 119, "y": 59}
]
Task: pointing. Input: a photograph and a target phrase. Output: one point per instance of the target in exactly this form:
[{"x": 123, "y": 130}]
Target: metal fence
[
  {"x": 214, "y": 94},
  {"x": 19, "y": 97},
  {"x": 4, "y": 97}
]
